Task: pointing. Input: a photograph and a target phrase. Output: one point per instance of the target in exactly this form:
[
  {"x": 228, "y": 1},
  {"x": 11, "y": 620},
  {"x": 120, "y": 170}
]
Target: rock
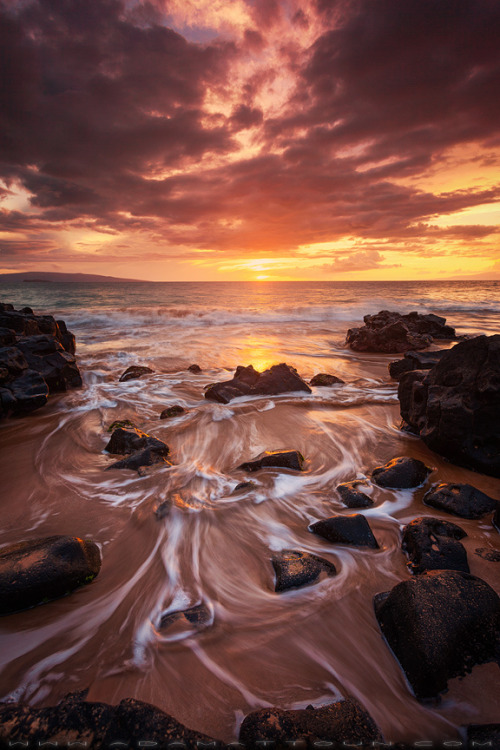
[
  {"x": 198, "y": 616},
  {"x": 172, "y": 411},
  {"x": 343, "y": 722},
  {"x": 401, "y": 474},
  {"x": 439, "y": 625},
  {"x": 462, "y": 500},
  {"x": 7, "y": 337},
  {"x": 432, "y": 544},
  {"x": 39, "y": 570},
  {"x": 121, "y": 423},
  {"x": 66, "y": 338},
  {"x": 194, "y": 368},
  {"x": 415, "y": 361},
  {"x": 164, "y": 509},
  {"x": 248, "y": 382},
  {"x": 323, "y": 379},
  {"x": 352, "y": 497},
  {"x": 483, "y": 735},
  {"x": 276, "y": 460},
  {"x": 392, "y": 332},
  {"x": 29, "y": 392},
  {"x": 145, "y": 450},
  {"x": 134, "y": 372},
  {"x": 294, "y": 569},
  {"x": 455, "y": 408},
  {"x": 243, "y": 487},
  {"x": 45, "y": 355},
  {"x": 491, "y": 555},
  {"x": 13, "y": 360},
  {"x": 354, "y": 530},
  {"x": 94, "y": 726}
]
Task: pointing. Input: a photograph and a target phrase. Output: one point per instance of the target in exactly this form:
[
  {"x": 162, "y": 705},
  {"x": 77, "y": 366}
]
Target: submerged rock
[
  {"x": 164, "y": 509},
  {"x": 145, "y": 450},
  {"x": 401, "y": 474},
  {"x": 455, "y": 407},
  {"x": 243, "y": 487},
  {"x": 432, "y": 544},
  {"x": 462, "y": 500},
  {"x": 134, "y": 372},
  {"x": 294, "y": 569},
  {"x": 439, "y": 625},
  {"x": 354, "y": 530},
  {"x": 352, "y": 497},
  {"x": 248, "y": 382},
  {"x": 194, "y": 368},
  {"x": 172, "y": 411},
  {"x": 392, "y": 332},
  {"x": 276, "y": 460},
  {"x": 323, "y": 379},
  {"x": 198, "y": 616},
  {"x": 415, "y": 361},
  {"x": 39, "y": 570},
  {"x": 343, "y": 722}
]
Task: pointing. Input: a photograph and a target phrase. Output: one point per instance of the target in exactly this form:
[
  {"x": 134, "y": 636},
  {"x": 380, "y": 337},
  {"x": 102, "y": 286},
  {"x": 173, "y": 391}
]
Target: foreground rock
[
  {"x": 144, "y": 449},
  {"x": 401, "y": 474},
  {"x": 39, "y": 570},
  {"x": 462, "y": 500},
  {"x": 248, "y": 382},
  {"x": 95, "y": 725},
  {"x": 439, "y": 625},
  {"x": 276, "y": 460},
  {"x": 352, "y": 496},
  {"x": 455, "y": 407},
  {"x": 392, "y": 332},
  {"x": 135, "y": 372},
  {"x": 342, "y": 722},
  {"x": 323, "y": 379},
  {"x": 432, "y": 544},
  {"x": 415, "y": 361},
  {"x": 294, "y": 569},
  {"x": 36, "y": 359},
  {"x": 354, "y": 530}
]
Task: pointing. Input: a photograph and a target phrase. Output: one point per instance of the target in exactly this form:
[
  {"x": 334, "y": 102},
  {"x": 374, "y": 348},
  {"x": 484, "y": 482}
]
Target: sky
[{"x": 251, "y": 139}]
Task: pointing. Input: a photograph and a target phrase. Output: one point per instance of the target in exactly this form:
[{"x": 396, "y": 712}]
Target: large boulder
[
  {"x": 432, "y": 544},
  {"x": 439, "y": 625},
  {"x": 455, "y": 407},
  {"x": 294, "y": 569},
  {"x": 462, "y": 500},
  {"x": 39, "y": 570},
  {"x": 392, "y": 332},
  {"x": 415, "y": 361},
  {"x": 248, "y": 382}
]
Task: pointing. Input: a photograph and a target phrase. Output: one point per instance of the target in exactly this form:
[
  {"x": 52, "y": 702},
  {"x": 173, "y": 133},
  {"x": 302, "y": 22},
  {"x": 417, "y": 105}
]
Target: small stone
[
  {"x": 172, "y": 411},
  {"x": 294, "y": 569},
  {"x": 194, "y": 368},
  {"x": 276, "y": 460},
  {"x": 164, "y": 509},
  {"x": 401, "y": 474},
  {"x": 352, "y": 497},
  {"x": 134, "y": 372},
  {"x": 354, "y": 530},
  {"x": 323, "y": 379},
  {"x": 462, "y": 500}
]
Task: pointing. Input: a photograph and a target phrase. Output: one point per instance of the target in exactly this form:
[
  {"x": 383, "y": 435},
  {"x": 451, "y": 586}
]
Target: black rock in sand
[
  {"x": 248, "y": 382},
  {"x": 294, "y": 569},
  {"x": 462, "y": 500},
  {"x": 354, "y": 530},
  {"x": 432, "y": 544},
  {"x": 401, "y": 474}
]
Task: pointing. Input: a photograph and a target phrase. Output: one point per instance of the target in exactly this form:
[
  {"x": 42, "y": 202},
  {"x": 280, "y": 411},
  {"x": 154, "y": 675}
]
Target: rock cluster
[
  {"x": 248, "y": 382},
  {"x": 391, "y": 332},
  {"x": 36, "y": 359}
]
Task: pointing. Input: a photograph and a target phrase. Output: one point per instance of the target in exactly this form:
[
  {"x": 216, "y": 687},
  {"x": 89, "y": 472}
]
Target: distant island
[{"x": 52, "y": 276}]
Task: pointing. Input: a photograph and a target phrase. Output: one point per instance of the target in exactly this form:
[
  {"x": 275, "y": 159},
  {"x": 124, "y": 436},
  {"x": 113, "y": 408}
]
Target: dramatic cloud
[{"x": 349, "y": 137}]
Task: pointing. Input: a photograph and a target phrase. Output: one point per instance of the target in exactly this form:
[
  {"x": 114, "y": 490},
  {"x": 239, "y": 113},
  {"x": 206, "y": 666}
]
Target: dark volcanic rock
[
  {"x": 172, "y": 411},
  {"x": 294, "y": 569},
  {"x": 432, "y": 544},
  {"x": 248, "y": 382},
  {"x": 455, "y": 408},
  {"x": 276, "y": 460},
  {"x": 439, "y": 625},
  {"x": 343, "y": 722},
  {"x": 134, "y": 372},
  {"x": 354, "y": 530},
  {"x": 94, "y": 726},
  {"x": 392, "y": 332},
  {"x": 140, "y": 459},
  {"x": 145, "y": 450},
  {"x": 492, "y": 555},
  {"x": 45, "y": 355},
  {"x": 414, "y": 361},
  {"x": 323, "y": 379},
  {"x": 462, "y": 500},
  {"x": 7, "y": 337},
  {"x": 352, "y": 497},
  {"x": 198, "y": 616},
  {"x": 29, "y": 392},
  {"x": 194, "y": 368},
  {"x": 39, "y": 570},
  {"x": 401, "y": 474}
]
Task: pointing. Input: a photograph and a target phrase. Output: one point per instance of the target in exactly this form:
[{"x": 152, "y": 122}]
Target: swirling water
[{"x": 256, "y": 648}]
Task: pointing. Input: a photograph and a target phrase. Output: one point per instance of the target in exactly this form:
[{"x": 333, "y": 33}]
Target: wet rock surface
[
  {"x": 135, "y": 372},
  {"x": 354, "y": 530},
  {"x": 391, "y": 332},
  {"x": 455, "y": 407},
  {"x": 401, "y": 473},
  {"x": 248, "y": 382},
  {"x": 193, "y": 618},
  {"x": 491, "y": 555},
  {"x": 439, "y": 625},
  {"x": 462, "y": 500},
  {"x": 432, "y": 544},
  {"x": 39, "y": 570},
  {"x": 294, "y": 569},
  {"x": 342, "y": 722},
  {"x": 352, "y": 496},
  {"x": 144, "y": 449},
  {"x": 414, "y": 361},
  {"x": 172, "y": 411},
  {"x": 324, "y": 379},
  {"x": 276, "y": 460}
]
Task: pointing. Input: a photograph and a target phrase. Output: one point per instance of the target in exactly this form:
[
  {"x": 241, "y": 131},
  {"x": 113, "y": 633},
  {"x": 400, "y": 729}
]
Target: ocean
[{"x": 257, "y": 648}]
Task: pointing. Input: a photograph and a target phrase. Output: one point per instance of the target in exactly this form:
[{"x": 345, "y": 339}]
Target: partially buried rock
[
  {"x": 194, "y": 368},
  {"x": 39, "y": 570},
  {"x": 134, "y": 372},
  {"x": 248, "y": 382},
  {"x": 415, "y": 361},
  {"x": 432, "y": 544},
  {"x": 195, "y": 617},
  {"x": 462, "y": 500},
  {"x": 323, "y": 379},
  {"x": 344, "y": 722},
  {"x": 401, "y": 474},
  {"x": 276, "y": 460},
  {"x": 439, "y": 625},
  {"x": 172, "y": 411},
  {"x": 294, "y": 569},
  {"x": 243, "y": 487},
  {"x": 145, "y": 450},
  {"x": 352, "y": 497},
  {"x": 354, "y": 530}
]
